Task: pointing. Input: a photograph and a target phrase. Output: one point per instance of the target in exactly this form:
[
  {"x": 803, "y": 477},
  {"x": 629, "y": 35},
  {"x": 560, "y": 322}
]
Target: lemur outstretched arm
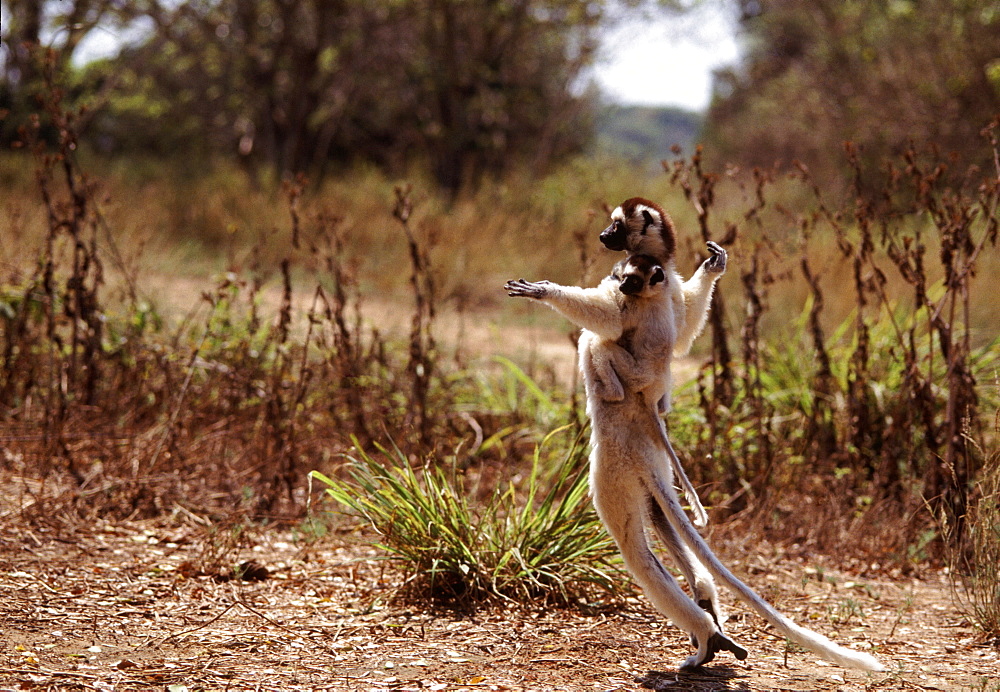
[
  {"x": 595, "y": 308},
  {"x": 696, "y": 294}
]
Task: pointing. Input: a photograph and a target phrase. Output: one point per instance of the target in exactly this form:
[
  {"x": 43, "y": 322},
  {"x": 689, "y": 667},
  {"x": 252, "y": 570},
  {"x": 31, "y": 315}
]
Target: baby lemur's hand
[
  {"x": 716, "y": 263},
  {"x": 519, "y": 288}
]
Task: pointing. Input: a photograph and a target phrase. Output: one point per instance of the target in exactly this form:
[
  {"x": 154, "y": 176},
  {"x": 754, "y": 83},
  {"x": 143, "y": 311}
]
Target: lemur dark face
[
  {"x": 614, "y": 236},
  {"x": 638, "y": 274},
  {"x": 640, "y": 226}
]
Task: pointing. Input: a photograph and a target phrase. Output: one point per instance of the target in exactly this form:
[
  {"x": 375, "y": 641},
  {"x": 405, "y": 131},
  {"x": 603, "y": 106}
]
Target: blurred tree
[
  {"x": 879, "y": 73},
  {"x": 493, "y": 82},
  {"x": 37, "y": 35},
  {"x": 473, "y": 87},
  {"x": 271, "y": 81},
  {"x": 60, "y": 25}
]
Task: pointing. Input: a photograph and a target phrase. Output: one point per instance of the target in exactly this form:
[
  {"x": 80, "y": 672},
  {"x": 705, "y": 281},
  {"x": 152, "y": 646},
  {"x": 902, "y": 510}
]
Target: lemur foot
[
  {"x": 520, "y": 288},
  {"x": 716, "y": 643},
  {"x": 706, "y": 605},
  {"x": 609, "y": 390}
]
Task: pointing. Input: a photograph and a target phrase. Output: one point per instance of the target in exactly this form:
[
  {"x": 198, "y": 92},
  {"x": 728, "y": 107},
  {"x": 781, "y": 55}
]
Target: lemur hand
[
  {"x": 716, "y": 263},
  {"x": 519, "y": 288}
]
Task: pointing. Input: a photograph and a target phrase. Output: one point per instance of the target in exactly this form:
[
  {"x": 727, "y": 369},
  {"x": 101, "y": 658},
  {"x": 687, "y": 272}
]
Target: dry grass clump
[
  {"x": 537, "y": 540},
  {"x": 974, "y": 556}
]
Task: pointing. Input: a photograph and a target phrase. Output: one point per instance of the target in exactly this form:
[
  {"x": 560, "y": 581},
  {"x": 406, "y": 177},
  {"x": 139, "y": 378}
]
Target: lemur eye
[{"x": 631, "y": 285}]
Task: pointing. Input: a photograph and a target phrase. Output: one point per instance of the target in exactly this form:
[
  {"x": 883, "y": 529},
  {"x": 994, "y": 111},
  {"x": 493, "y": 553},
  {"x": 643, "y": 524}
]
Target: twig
[
  {"x": 53, "y": 673},
  {"x": 268, "y": 620},
  {"x": 202, "y": 625},
  {"x": 39, "y": 580},
  {"x": 180, "y": 400}
]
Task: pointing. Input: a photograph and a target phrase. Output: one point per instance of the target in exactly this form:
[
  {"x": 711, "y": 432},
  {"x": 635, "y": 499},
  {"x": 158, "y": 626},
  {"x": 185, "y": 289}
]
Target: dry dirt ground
[{"x": 128, "y": 606}]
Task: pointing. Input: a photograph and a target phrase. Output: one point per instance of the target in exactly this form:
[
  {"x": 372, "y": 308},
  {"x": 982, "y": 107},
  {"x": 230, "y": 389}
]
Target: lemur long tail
[
  {"x": 815, "y": 642},
  {"x": 700, "y": 515}
]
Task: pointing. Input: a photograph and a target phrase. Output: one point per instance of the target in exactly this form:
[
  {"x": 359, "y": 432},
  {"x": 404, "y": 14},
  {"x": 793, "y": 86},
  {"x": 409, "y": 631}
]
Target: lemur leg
[
  {"x": 698, "y": 577},
  {"x": 679, "y": 474},
  {"x": 620, "y": 502},
  {"x": 607, "y": 386},
  {"x": 662, "y": 492},
  {"x": 636, "y": 375}
]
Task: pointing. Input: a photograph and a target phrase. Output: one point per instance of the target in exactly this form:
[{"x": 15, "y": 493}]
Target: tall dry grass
[
  {"x": 207, "y": 342},
  {"x": 867, "y": 353},
  {"x": 219, "y": 393},
  {"x": 974, "y": 550}
]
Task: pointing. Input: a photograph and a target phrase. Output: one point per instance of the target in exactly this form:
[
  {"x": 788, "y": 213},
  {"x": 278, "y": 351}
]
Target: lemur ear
[
  {"x": 648, "y": 218},
  {"x": 657, "y": 276}
]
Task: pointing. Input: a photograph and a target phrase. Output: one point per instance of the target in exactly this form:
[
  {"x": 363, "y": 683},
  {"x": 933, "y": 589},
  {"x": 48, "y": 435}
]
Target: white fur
[
  {"x": 632, "y": 487},
  {"x": 646, "y": 322},
  {"x": 631, "y": 484},
  {"x": 696, "y": 298},
  {"x": 624, "y": 446},
  {"x": 625, "y": 465}
]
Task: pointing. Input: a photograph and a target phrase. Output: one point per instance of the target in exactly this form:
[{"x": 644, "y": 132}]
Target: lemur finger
[
  {"x": 521, "y": 288},
  {"x": 717, "y": 261}
]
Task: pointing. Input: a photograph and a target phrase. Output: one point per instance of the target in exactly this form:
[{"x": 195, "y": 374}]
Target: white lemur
[
  {"x": 623, "y": 384},
  {"x": 626, "y": 347},
  {"x": 629, "y": 482},
  {"x": 624, "y": 354}
]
